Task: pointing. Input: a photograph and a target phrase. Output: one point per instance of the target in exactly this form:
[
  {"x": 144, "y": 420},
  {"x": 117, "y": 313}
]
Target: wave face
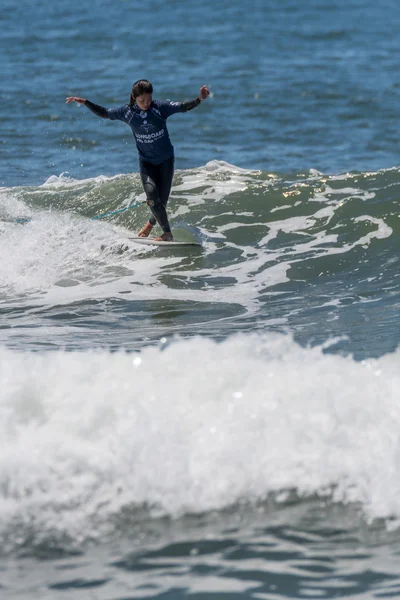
[
  {"x": 174, "y": 382},
  {"x": 309, "y": 254},
  {"x": 94, "y": 443}
]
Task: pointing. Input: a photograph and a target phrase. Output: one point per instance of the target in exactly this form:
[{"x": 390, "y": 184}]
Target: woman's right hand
[{"x": 75, "y": 99}]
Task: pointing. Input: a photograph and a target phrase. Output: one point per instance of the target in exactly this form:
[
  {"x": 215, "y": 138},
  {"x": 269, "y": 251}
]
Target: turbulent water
[
  {"x": 218, "y": 421},
  {"x": 307, "y": 254}
]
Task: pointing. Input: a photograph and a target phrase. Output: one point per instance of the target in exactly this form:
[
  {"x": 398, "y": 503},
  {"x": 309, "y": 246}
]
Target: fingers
[
  {"x": 75, "y": 99},
  {"x": 204, "y": 92}
]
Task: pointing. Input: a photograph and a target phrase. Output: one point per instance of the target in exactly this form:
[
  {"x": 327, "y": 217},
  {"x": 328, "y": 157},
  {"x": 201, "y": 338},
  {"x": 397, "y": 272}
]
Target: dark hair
[{"x": 141, "y": 86}]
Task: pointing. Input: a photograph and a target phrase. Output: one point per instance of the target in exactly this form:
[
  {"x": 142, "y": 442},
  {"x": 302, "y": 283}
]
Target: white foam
[
  {"x": 11, "y": 206},
  {"x": 194, "y": 427},
  {"x": 64, "y": 179},
  {"x": 59, "y": 258}
]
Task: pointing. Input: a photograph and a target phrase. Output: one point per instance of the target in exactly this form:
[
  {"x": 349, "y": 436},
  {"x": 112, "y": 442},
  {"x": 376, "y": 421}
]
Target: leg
[
  {"x": 145, "y": 175},
  {"x": 154, "y": 187},
  {"x": 166, "y": 174},
  {"x": 166, "y": 177}
]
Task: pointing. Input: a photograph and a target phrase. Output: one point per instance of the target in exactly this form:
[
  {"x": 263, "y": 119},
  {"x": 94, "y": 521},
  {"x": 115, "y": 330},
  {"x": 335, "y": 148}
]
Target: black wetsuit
[{"x": 156, "y": 153}]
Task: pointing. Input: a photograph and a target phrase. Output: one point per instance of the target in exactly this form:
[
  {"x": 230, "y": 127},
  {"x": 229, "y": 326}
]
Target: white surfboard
[{"x": 151, "y": 242}]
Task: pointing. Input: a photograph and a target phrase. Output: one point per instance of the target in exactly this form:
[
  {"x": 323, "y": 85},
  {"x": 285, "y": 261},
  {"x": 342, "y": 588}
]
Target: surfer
[{"x": 147, "y": 119}]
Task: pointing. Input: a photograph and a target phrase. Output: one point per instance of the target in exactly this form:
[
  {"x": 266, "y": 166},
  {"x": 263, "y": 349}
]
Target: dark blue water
[{"x": 294, "y": 86}]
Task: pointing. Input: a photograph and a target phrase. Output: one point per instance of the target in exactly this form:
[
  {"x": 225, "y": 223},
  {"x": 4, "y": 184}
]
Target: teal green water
[{"x": 308, "y": 254}]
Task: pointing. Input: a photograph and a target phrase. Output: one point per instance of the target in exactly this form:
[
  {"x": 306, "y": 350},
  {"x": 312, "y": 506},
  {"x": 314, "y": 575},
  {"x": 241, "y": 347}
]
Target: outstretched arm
[
  {"x": 100, "y": 111},
  {"x": 204, "y": 93}
]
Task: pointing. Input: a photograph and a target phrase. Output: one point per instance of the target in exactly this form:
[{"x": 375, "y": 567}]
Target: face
[{"x": 144, "y": 101}]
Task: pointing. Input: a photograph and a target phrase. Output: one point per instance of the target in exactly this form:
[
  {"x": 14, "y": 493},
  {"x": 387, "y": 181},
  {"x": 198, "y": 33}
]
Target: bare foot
[
  {"x": 146, "y": 230},
  {"x": 165, "y": 237}
]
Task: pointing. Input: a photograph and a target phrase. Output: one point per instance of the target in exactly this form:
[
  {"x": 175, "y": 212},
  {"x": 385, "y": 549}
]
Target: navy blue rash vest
[{"x": 149, "y": 128}]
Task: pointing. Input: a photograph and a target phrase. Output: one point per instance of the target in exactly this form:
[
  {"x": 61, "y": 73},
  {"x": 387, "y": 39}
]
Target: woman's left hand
[{"x": 204, "y": 92}]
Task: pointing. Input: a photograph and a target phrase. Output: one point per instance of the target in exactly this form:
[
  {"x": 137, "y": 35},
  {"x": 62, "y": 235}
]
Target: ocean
[{"x": 215, "y": 422}]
